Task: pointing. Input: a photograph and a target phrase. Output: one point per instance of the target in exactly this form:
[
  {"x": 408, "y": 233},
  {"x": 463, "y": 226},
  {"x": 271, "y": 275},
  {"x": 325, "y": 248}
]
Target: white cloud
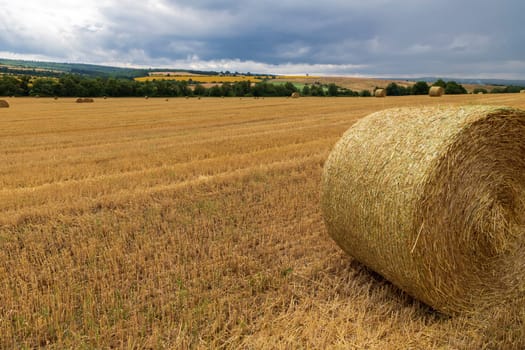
[
  {"x": 386, "y": 37},
  {"x": 471, "y": 43}
]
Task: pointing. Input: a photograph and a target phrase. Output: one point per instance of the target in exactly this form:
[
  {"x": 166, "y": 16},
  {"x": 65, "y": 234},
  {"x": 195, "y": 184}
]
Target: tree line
[
  {"x": 72, "y": 85},
  {"x": 422, "y": 88}
]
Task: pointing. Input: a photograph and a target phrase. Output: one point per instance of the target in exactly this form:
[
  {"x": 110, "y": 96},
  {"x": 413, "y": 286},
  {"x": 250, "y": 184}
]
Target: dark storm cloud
[{"x": 374, "y": 37}]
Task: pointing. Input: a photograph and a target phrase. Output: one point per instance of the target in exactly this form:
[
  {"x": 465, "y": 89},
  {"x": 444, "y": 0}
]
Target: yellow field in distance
[{"x": 202, "y": 78}]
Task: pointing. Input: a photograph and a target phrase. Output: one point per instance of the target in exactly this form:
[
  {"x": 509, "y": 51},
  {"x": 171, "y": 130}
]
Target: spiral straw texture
[{"x": 433, "y": 199}]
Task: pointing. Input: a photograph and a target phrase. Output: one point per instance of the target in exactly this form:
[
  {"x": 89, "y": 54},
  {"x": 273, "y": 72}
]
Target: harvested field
[
  {"x": 136, "y": 223},
  {"x": 430, "y": 166}
]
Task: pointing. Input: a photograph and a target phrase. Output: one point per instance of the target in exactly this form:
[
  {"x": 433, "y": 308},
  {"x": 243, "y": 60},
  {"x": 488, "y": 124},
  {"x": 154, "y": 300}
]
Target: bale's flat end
[{"x": 433, "y": 199}]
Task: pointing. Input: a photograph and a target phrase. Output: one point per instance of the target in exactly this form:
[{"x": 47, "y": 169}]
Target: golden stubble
[{"x": 187, "y": 223}]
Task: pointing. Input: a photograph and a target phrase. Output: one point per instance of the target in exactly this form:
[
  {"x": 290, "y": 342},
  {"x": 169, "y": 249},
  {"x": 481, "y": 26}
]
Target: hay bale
[
  {"x": 85, "y": 100},
  {"x": 436, "y": 91},
  {"x": 433, "y": 199},
  {"x": 4, "y": 104},
  {"x": 295, "y": 95},
  {"x": 380, "y": 93},
  {"x": 522, "y": 91}
]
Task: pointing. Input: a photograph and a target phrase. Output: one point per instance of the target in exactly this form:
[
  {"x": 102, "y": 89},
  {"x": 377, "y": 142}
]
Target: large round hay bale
[
  {"x": 4, "y": 104},
  {"x": 380, "y": 93},
  {"x": 522, "y": 91},
  {"x": 295, "y": 94},
  {"x": 433, "y": 199},
  {"x": 436, "y": 91},
  {"x": 85, "y": 100}
]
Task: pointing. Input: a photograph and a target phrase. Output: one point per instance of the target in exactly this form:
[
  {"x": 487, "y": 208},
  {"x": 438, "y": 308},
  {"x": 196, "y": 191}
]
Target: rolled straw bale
[
  {"x": 522, "y": 91},
  {"x": 433, "y": 199},
  {"x": 295, "y": 94},
  {"x": 4, "y": 104},
  {"x": 436, "y": 91},
  {"x": 85, "y": 100},
  {"x": 380, "y": 93}
]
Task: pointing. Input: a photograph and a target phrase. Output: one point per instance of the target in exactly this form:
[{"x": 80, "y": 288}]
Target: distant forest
[
  {"x": 72, "y": 85},
  {"x": 75, "y": 85},
  {"x": 32, "y": 78}
]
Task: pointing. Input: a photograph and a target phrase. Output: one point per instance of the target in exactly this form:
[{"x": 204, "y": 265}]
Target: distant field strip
[{"x": 203, "y": 78}]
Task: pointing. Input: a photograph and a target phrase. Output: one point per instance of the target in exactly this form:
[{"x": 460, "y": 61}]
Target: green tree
[
  {"x": 306, "y": 91},
  {"x": 440, "y": 82},
  {"x": 453, "y": 88},
  {"x": 10, "y": 86},
  {"x": 242, "y": 88},
  {"x": 394, "y": 89},
  {"x": 514, "y": 89},
  {"x": 317, "y": 90},
  {"x": 199, "y": 90},
  {"x": 92, "y": 87},
  {"x": 45, "y": 87},
  {"x": 289, "y": 88},
  {"x": 24, "y": 84},
  {"x": 498, "y": 90},
  {"x": 215, "y": 91},
  {"x": 332, "y": 89},
  {"x": 478, "y": 90},
  {"x": 227, "y": 89},
  {"x": 69, "y": 86},
  {"x": 420, "y": 88}
]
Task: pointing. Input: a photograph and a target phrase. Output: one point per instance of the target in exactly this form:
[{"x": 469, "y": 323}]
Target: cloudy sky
[{"x": 453, "y": 38}]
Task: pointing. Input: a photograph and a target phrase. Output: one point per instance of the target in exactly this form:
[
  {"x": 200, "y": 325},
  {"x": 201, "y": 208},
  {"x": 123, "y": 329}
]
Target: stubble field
[{"x": 186, "y": 223}]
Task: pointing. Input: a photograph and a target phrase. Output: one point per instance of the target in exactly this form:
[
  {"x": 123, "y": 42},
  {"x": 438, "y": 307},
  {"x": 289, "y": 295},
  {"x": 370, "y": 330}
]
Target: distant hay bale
[
  {"x": 380, "y": 93},
  {"x": 85, "y": 100},
  {"x": 146, "y": 97},
  {"x": 436, "y": 91},
  {"x": 522, "y": 91},
  {"x": 480, "y": 93},
  {"x": 4, "y": 104},
  {"x": 433, "y": 199},
  {"x": 295, "y": 94}
]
